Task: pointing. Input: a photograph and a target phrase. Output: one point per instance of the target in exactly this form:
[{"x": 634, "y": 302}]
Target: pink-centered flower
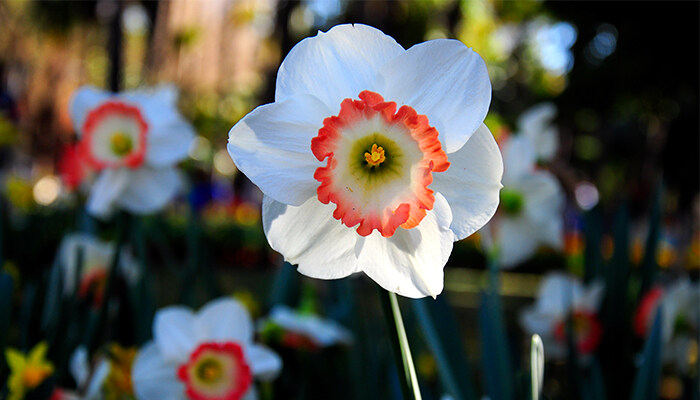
[
  {"x": 561, "y": 298},
  {"x": 208, "y": 355},
  {"x": 373, "y": 158},
  {"x": 133, "y": 140},
  {"x": 96, "y": 261}
]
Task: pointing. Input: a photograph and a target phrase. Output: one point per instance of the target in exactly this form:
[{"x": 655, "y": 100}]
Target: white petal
[
  {"x": 150, "y": 189},
  {"x": 537, "y": 117},
  {"x": 516, "y": 241},
  {"x": 336, "y": 65},
  {"x": 557, "y": 294},
  {"x": 544, "y": 207},
  {"x": 411, "y": 262},
  {"x": 169, "y": 141},
  {"x": 323, "y": 332},
  {"x": 97, "y": 380},
  {"x": 83, "y": 100},
  {"x": 518, "y": 159},
  {"x": 106, "y": 191},
  {"x": 154, "y": 378},
  {"x": 164, "y": 95},
  {"x": 264, "y": 363},
  {"x": 174, "y": 332},
  {"x": 533, "y": 321},
  {"x": 472, "y": 183},
  {"x": 79, "y": 366},
  {"x": 591, "y": 297},
  {"x": 444, "y": 80},
  {"x": 536, "y": 125},
  {"x": 309, "y": 236},
  {"x": 169, "y": 134},
  {"x": 272, "y": 147},
  {"x": 224, "y": 320}
]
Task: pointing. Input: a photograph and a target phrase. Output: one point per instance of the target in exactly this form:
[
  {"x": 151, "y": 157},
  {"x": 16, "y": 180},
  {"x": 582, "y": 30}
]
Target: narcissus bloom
[
  {"x": 680, "y": 305},
  {"x": 531, "y": 211},
  {"x": 208, "y": 355},
  {"x": 297, "y": 327},
  {"x": 133, "y": 139},
  {"x": 559, "y": 298},
  {"x": 27, "y": 372},
  {"x": 97, "y": 258},
  {"x": 373, "y": 158}
]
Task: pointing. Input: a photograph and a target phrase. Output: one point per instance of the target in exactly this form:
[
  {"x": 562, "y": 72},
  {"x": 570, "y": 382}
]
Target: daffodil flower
[
  {"x": 27, "y": 372},
  {"x": 373, "y": 158},
  {"x": 559, "y": 298},
  {"x": 680, "y": 305},
  {"x": 97, "y": 257},
  {"x": 321, "y": 332},
  {"x": 205, "y": 355},
  {"x": 133, "y": 139},
  {"x": 531, "y": 209}
]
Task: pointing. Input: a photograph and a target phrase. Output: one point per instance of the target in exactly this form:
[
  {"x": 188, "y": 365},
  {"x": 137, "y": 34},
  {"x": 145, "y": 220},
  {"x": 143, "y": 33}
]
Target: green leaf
[
  {"x": 646, "y": 384},
  {"x": 285, "y": 285},
  {"x": 592, "y": 254},
  {"x": 6, "y": 287},
  {"x": 441, "y": 332},
  {"x": 495, "y": 357},
  {"x": 649, "y": 267},
  {"x": 593, "y": 387}
]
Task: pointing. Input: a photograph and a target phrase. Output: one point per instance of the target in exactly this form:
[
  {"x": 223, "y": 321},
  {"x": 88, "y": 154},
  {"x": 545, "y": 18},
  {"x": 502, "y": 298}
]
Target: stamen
[
  {"x": 376, "y": 157},
  {"x": 121, "y": 144},
  {"x": 210, "y": 370},
  {"x": 512, "y": 201}
]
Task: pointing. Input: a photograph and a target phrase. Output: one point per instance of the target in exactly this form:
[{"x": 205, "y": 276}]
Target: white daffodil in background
[
  {"x": 97, "y": 258},
  {"x": 320, "y": 332},
  {"x": 680, "y": 304},
  {"x": 134, "y": 139},
  {"x": 88, "y": 381},
  {"x": 531, "y": 213},
  {"x": 205, "y": 355},
  {"x": 561, "y": 297},
  {"x": 536, "y": 124},
  {"x": 373, "y": 158}
]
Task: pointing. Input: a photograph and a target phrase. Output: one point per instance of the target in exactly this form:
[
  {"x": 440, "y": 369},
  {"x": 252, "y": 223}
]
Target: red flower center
[
  {"x": 114, "y": 135},
  {"x": 216, "y": 371},
  {"x": 587, "y": 331},
  {"x": 379, "y": 164}
]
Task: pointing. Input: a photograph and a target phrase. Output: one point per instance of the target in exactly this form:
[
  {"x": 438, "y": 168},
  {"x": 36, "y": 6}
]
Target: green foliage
[{"x": 646, "y": 384}]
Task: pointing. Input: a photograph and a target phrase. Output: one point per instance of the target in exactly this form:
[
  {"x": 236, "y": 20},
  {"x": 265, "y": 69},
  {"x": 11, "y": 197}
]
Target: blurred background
[{"x": 622, "y": 79}]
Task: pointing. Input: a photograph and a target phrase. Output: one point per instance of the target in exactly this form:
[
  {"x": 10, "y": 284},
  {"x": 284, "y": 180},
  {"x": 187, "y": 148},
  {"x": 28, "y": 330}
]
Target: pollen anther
[{"x": 376, "y": 157}]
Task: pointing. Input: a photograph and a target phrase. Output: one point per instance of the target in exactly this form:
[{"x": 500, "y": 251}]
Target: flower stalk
[
  {"x": 92, "y": 341},
  {"x": 400, "y": 347},
  {"x": 536, "y": 366}
]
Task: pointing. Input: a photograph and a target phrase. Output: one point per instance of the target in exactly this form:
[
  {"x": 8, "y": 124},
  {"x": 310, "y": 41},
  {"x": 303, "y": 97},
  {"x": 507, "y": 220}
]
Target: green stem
[
  {"x": 401, "y": 349},
  {"x": 101, "y": 319}
]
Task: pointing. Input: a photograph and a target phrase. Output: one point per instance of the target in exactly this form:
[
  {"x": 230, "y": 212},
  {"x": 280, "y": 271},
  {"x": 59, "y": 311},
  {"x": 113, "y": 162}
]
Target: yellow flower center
[
  {"x": 210, "y": 370},
  {"x": 33, "y": 375},
  {"x": 121, "y": 143},
  {"x": 376, "y": 157}
]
